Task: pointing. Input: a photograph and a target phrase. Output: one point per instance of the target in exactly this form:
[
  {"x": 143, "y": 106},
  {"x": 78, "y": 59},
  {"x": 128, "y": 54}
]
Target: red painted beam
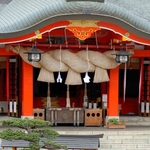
[
  {"x": 4, "y": 52},
  {"x": 137, "y": 53},
  {"x": 71, "y": 46},
  {"x": 141, "y": 53},
  {"x": 58, "y": 33}
]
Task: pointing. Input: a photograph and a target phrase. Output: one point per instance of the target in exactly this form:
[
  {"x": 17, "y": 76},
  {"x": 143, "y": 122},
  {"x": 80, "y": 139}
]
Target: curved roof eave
[{"x": 17, "y": 18}]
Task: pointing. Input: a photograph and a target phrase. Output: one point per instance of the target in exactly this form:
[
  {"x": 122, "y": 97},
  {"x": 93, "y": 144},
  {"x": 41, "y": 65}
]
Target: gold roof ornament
[{"x": 82, "y": 29}]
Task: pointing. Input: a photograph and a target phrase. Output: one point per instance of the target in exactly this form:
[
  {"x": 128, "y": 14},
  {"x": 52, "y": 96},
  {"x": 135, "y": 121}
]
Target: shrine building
[{"x": 66, "y": 57}]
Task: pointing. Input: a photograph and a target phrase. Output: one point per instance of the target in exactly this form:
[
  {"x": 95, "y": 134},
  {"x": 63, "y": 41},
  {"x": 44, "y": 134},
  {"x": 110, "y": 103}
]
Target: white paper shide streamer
[
  {"x": 142, "y": 107},
  {"x": 59, "y": 79},
  {"x": 147, "y": 107},
  {"x": 87, "y": 78}
]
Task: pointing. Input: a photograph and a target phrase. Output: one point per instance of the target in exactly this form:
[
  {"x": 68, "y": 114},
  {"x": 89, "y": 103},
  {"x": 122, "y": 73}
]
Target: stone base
[{"x": 135, "y": 120}]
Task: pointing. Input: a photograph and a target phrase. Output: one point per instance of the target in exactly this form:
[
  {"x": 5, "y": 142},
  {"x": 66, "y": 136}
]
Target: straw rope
[{"x": 73, "y": 63}]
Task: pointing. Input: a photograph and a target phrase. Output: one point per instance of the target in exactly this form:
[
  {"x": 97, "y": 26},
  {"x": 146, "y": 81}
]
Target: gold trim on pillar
[{"x": 83, "y": 29}]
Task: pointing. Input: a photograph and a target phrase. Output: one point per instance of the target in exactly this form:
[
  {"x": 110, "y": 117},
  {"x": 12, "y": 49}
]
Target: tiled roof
[
  {"x": 20, "y": 15},
  {"x": 71, "y": 141}
]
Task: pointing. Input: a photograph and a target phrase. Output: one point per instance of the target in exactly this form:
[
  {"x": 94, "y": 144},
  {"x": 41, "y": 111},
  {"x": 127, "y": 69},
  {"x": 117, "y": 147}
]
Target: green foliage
[
  {"x": 33, "y": 134},
  {"x": 47, "y": 133},
  {"x": 115, "y": 121},
  {"x": 26, "y": 123},
  {"x": 51, "y": 145},
  {"x": 10, "y": 135}
]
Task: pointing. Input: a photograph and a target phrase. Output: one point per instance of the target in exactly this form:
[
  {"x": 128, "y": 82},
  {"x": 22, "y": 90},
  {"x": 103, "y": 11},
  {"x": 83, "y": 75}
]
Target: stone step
[
  {"x": 136, "y": 120},
  {"x": 116, "y": 132},
  {"x": 125, "y": 146},
  {"x": 125, "y": 140}
]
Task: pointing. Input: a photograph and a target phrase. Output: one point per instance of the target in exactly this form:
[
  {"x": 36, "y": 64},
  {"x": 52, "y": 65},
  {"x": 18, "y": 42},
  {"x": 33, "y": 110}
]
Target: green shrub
[
  {"x": 115, "y": 121},
  {"x": 30, "y": 131}
]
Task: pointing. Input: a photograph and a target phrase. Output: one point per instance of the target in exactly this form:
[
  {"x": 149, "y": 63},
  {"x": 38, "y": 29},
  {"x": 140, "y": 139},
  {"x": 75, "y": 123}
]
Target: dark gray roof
[
  {"x": 18, "y": 18},
  {"x": 5, "y": 1},
  {"x": 71, "y": 141}
]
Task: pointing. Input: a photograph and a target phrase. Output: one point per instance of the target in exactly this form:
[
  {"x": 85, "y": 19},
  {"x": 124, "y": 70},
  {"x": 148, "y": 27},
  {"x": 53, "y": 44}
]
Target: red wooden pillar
[
  {"x": 7, "y": 81},
  {"x": 113, "y": 94},
  {"x": 27, "y": 90}
]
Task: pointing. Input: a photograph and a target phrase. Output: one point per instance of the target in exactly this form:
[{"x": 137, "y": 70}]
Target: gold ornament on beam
[
  {"x": 82, "y": 29},
  {"x": 38, "y": 35},
  {"x": 126, "y": 37}
]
